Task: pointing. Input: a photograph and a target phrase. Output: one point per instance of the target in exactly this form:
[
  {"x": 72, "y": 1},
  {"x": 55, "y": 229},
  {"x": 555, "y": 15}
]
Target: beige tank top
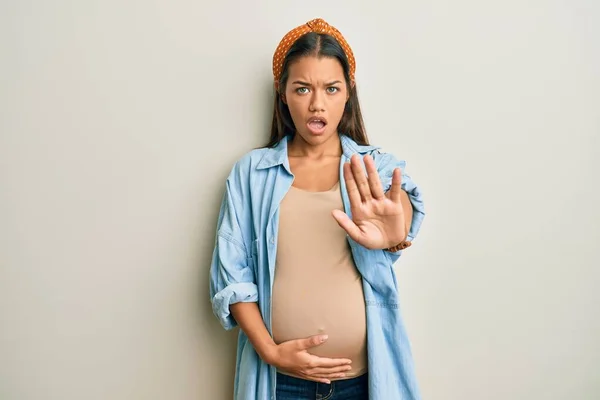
[{"x": 317, "y": 288}]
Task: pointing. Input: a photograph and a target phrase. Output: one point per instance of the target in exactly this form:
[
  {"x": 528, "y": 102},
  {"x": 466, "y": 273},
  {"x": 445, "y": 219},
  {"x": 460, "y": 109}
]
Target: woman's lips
[{"x": 316, "y": 126}]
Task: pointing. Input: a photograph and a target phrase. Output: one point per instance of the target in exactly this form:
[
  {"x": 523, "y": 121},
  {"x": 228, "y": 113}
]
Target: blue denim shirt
[{"x": 243, "y": 268}]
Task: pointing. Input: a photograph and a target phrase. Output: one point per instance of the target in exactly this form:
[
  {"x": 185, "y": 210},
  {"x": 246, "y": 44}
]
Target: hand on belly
[
  {"x": 346, "y": 340},
  {"x": 293, "y": 358}
]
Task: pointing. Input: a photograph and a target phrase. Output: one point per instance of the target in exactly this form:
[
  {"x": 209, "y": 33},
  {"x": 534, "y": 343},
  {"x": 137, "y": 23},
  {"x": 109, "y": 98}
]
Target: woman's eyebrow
[{"x": 308, "y": 84}]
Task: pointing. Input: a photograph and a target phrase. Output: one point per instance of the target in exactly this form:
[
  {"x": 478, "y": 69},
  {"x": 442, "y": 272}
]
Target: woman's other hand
[{"x": 292, "y": 357}]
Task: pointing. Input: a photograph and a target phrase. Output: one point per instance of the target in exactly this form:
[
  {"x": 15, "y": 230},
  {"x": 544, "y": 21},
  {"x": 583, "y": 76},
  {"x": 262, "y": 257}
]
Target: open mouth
[{"x": 317, "y": 124}]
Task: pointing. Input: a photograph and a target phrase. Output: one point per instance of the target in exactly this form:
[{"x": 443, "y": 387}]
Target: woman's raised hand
[{"x": 378, "y": 220}]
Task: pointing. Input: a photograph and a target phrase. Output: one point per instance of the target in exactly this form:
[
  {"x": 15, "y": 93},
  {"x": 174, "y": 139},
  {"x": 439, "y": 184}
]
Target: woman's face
[{"x": 316, "y": 94}]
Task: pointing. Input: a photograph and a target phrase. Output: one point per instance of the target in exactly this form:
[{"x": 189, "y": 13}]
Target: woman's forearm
[{"x": 250, "y": 321}]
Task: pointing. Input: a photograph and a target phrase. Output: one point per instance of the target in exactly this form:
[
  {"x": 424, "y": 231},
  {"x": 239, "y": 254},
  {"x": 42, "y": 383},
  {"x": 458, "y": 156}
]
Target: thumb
[
  {"x": 347, "y": 224},
  {"x": 312, "y": 341}
]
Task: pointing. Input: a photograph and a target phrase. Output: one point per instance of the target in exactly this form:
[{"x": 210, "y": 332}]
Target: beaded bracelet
[{"x": 400, "y": 246}]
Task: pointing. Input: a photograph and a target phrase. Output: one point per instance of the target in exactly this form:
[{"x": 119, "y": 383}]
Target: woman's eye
[
  {"x": 302, "y": 90},
  {"x": 332, "y": 89}
]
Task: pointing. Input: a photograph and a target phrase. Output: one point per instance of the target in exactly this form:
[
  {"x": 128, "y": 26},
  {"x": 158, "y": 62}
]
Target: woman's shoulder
[
  {"x": 381, "y": 156},
  {"x": 250, "y": 160},
  {"x": 247, "y": 170}
]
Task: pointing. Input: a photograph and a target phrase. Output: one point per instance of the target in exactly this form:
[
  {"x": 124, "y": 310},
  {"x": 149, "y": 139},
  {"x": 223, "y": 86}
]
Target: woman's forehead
[{"x": 327, "y": 68}]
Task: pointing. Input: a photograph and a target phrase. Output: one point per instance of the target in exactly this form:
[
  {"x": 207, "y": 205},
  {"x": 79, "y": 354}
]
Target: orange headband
[{"x": 318, "y": 26}]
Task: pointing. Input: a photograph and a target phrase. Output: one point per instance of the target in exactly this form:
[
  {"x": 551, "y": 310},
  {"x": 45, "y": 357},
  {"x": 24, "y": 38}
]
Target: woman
[{"x": 309, "y": 229}]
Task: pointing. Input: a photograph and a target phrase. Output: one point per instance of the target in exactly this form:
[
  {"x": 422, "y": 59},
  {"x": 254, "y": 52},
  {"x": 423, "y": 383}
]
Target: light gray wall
[{"x": 119, "y": 121}]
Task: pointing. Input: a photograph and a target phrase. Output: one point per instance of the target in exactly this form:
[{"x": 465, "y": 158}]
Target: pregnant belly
[{"x": 298, "y": 313}]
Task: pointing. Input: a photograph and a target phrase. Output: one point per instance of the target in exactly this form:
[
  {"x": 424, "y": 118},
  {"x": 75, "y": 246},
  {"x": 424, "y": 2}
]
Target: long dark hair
[{"x": 319, "y": 45}]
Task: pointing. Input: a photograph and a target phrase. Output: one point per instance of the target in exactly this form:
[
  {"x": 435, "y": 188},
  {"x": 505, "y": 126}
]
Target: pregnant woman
[{"x": 308, "y": 231}]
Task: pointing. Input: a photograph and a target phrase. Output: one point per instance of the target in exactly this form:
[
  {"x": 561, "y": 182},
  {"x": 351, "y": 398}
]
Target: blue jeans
[{"x": 290, "y": 388}]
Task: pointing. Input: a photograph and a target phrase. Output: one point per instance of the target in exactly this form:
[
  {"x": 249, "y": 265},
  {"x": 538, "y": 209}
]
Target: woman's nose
[{"x": 316, "y": 103}]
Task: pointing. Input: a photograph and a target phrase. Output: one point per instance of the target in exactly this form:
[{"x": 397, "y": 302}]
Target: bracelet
[{"x": 400, "y": 246}]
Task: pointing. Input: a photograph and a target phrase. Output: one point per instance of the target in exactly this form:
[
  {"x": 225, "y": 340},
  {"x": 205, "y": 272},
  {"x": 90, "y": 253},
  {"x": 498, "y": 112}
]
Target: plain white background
[{"x": 119, "y": 121}]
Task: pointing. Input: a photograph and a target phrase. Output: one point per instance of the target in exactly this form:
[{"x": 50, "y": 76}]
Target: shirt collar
[{"x": 275, "y": 155}]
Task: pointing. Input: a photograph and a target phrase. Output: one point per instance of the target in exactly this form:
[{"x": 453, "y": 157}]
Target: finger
[
  {"x": 361, "y": 178},
  {"x": 315, "y": 379},
  {"x": 348, "y": 225},
  {"x": 313, "y": 341},
  {"x": 373, "y": 178},
  {"x": 351, "y": 188},
  {"x": 326, "y": 372},
  {"x": 396, "y": 189},
  {"x": 324, "y": 362},
  {"x": 329, "y": 376}
]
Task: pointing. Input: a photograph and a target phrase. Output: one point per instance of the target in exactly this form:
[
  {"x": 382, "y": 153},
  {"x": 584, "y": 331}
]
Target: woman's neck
[{"x": 298, "y": 147}]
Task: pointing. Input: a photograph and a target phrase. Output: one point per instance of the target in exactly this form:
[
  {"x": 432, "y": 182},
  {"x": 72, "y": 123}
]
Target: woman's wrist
[{"x": 268, "y": 353}]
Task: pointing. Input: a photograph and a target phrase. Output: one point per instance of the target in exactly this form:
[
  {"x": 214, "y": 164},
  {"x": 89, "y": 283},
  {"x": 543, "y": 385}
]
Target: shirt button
[{"x": 272, "y": 240}]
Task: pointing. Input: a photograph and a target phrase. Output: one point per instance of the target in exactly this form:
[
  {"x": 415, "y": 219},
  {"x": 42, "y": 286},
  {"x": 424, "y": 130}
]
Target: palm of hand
[{"x": 377, "y": 218}]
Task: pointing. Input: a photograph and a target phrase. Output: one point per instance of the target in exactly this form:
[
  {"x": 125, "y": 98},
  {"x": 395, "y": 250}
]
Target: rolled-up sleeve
[
  {"x": 231, "y": 274},
  {"x": 386, "y": 163}
]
